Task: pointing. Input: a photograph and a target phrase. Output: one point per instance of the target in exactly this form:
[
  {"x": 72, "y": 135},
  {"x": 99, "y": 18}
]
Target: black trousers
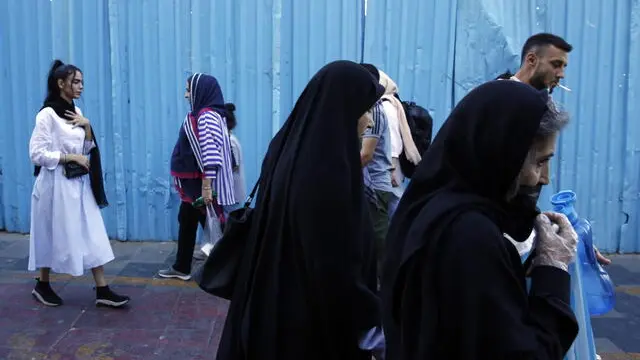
[{"x": 188, "y": 218}]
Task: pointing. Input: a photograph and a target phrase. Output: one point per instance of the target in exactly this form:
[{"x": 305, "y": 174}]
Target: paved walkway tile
[{"x": 175, "y": 320}]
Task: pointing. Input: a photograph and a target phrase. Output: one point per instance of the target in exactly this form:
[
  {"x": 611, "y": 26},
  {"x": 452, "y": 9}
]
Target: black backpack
[{"x": 421, "y": 126}]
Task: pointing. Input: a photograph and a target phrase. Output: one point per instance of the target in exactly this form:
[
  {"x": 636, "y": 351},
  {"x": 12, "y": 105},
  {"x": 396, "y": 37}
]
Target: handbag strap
[{"x": 252, "y": 194}]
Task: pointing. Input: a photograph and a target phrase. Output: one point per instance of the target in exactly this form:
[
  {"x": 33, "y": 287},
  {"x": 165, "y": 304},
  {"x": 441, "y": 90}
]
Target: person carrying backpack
[
  {"x": 401, "y": 139},
  {"x": 415, "y": 126},
  {"x": 420, "y": 124}
]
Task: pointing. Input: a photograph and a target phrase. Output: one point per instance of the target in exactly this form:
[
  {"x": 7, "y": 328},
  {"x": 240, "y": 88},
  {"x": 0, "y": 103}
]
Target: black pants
[{"x": 188, "y": 218}]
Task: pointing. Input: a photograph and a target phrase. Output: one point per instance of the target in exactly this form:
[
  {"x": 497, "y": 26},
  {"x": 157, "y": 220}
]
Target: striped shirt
[
  {"x": 379, "y": 169},
  {"x": 215, "y": 149}
]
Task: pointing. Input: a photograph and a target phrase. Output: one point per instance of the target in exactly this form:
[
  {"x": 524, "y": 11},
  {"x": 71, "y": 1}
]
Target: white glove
[{"x": 556, "y": 248}]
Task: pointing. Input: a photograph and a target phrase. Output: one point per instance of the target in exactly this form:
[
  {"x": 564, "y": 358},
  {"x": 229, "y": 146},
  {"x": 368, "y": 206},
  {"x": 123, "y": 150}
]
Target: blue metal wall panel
[
  {"x": 313, "y": 34},
  {"x": 150, "y": 61},
  {"x": 599, "y": 154},
  {"x": 413, "y": 41},
  {"x": 136, "y": 56},
  {"x": 630, "y": 192},
  {"x": 30, "y": 40}
]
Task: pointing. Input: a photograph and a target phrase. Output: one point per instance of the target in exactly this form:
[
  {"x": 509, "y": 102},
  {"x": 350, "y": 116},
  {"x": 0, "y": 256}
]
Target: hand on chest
[{"x": 70, "y": 138}]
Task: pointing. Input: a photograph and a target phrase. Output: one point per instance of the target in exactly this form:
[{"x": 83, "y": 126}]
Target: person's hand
[
  {"x": 79, "y": 159},
  {"x": 394, "y": 181},
  {"x": 76, "y": 119},
  {"x": 602, "y": 260},
  {"x": 556, "y": 247},
  {"x": 396, "y": 177},
  {"x": 207, "y": 194}
]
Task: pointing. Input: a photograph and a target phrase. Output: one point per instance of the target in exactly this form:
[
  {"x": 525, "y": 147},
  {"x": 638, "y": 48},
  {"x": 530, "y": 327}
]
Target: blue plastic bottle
[
  {"x": 597, "y": 287},
  {"x": 587, "y": 288}
]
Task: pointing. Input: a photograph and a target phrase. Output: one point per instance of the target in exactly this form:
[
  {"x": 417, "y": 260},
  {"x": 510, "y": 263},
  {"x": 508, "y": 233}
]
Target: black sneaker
[
  {"x": 45, "y": 294},
  {"x": 106, "y": 297}
]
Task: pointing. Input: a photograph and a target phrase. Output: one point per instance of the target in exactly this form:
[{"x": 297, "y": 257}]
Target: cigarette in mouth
[{"x": 564, "y": 88}]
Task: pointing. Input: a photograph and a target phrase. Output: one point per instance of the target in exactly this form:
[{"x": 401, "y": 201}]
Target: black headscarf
[
  {"x": 306, "y": 288},
  {"x": 60, "y": 105},
  {"x": 470, "y": 167},
  {"x": 372, "y": 69}
]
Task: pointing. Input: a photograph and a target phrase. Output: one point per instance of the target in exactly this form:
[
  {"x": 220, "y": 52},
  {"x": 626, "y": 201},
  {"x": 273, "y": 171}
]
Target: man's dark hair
[{"x": 540, "y": 41}]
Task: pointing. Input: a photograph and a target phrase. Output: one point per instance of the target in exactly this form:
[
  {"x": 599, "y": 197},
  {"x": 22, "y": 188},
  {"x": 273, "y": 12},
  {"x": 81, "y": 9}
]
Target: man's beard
[{"x": 537, "y": 81}]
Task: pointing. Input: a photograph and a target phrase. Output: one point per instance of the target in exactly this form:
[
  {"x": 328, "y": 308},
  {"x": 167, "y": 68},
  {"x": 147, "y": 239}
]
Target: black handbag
[
  {"x": 218, "y": 274},
  {"x": 74, "y": 170}
]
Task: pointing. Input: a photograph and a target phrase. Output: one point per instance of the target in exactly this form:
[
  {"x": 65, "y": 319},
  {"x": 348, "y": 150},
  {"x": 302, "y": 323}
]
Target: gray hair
[{"x": 552, "y": 122}]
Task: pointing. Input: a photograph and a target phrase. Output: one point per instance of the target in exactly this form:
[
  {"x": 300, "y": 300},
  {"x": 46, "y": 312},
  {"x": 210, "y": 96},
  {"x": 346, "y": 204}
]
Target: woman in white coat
[{"x": 67, "y": 231}]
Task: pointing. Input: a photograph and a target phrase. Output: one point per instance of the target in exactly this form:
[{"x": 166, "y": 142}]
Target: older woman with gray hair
[{"x": 453, "y": 286}]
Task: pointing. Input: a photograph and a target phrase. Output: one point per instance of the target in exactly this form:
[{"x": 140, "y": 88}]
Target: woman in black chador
[
  {"x": 453, "y": 286},
  {"x": 306, "y": 286}
]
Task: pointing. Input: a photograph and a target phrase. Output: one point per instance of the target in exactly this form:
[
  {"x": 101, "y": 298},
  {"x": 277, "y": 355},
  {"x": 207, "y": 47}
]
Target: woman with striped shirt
[{"x": 201, "y": 166}]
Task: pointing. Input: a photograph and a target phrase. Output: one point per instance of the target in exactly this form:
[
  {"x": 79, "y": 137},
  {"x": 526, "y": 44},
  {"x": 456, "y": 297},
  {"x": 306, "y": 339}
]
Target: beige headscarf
[{"x": 390, "y": 89}]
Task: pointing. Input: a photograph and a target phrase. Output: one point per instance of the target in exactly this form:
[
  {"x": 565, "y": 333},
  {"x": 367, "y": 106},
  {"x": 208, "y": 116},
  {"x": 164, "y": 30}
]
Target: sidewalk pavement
[
  {"x": 172, "y": 319},
  {"x": 166, "y": 319}
]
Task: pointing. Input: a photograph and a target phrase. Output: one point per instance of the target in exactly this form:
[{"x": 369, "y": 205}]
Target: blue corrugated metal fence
[
  {"x": 439, "y": 50},
  {"x": 136, "y": 56}
]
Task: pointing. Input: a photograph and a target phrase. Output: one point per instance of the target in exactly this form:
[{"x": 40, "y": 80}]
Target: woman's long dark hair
[
  {"x": 231, "y": 116},
  {"x": 58, "y": 71},
  {"x": 231, "y": 124}
]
